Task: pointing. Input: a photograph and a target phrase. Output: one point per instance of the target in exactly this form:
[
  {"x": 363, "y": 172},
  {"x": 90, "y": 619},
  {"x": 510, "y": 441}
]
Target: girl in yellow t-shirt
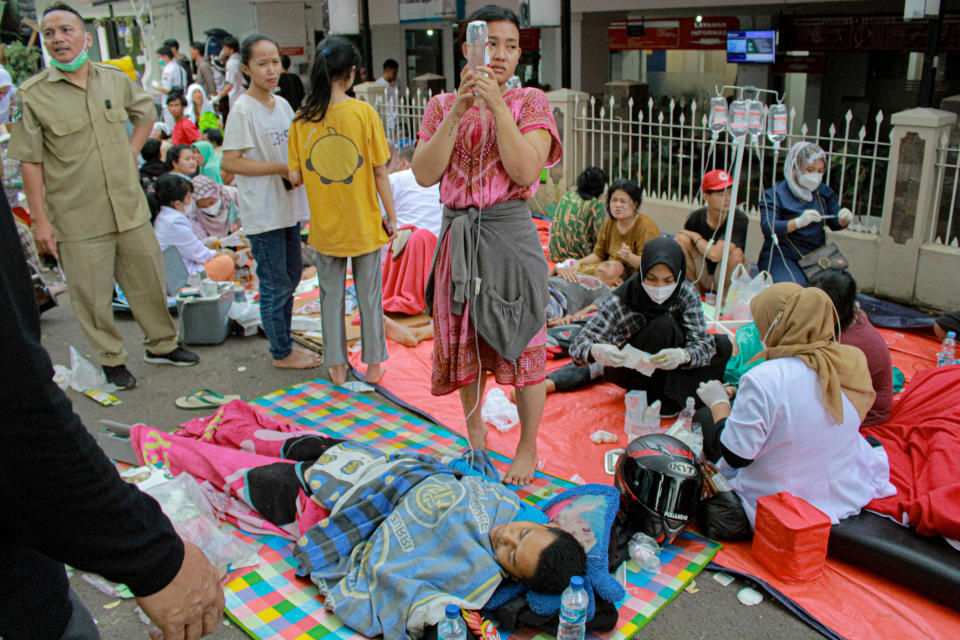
[{"x": 338, "y": 150}]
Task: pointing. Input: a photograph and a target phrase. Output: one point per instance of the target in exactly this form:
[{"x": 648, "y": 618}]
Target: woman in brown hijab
[{"x": 795, "y": 423}]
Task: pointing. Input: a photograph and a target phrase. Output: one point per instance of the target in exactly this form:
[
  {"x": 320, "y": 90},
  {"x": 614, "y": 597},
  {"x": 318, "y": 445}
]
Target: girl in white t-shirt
[
  {"x": 255, "y": 149},
  {"x": 795, "y": 424}
]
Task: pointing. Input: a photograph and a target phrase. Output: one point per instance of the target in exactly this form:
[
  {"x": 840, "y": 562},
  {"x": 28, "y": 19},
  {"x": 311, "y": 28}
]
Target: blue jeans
[
  {"x": 279, "y": 267},
  {"x": 781, "y": 268}
]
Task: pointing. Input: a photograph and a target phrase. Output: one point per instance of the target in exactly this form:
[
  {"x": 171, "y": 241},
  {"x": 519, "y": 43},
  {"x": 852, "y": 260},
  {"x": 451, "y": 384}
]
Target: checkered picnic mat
[{"x": 269, "y": 601}]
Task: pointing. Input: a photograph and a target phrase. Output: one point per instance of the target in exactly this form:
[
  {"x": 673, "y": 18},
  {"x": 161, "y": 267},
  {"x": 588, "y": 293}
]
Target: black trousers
[{"x": 671, "y": 388}]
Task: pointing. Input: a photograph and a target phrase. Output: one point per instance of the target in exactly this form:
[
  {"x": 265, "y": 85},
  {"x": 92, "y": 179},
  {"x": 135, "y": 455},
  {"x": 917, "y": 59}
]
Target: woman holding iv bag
[
  {"x": 794, "y": 211},
  {"x": 487, "y": 289}
]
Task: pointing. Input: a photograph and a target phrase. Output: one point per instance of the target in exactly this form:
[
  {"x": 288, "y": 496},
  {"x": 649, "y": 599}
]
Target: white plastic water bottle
[
  {"x": 573, "y": 611},
  {"x": 452, "y": 626},
  {"x": 948, "y": 350},
  {"x": 685, "y": 419}
]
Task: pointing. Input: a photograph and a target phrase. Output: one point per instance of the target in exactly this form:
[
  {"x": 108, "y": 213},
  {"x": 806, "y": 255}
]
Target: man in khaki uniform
[{"x": 83, "y": 190}]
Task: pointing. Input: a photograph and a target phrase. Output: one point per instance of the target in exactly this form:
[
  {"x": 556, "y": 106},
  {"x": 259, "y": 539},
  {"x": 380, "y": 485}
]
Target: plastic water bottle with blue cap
[
  {"x": 452, "y": 626},
  {"x": 948, "y": 350},
  {"x": 573, "y": 611}
]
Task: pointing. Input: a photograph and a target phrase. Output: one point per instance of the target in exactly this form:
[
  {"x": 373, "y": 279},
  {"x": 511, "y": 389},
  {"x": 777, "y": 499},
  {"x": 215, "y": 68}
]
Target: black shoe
[
  {"x": 120, "y": 376},
  {"x": 178, "y": 358}
]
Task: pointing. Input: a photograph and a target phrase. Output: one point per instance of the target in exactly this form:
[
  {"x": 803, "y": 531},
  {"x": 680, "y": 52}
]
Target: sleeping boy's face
[{"x": 518, "y": 545}]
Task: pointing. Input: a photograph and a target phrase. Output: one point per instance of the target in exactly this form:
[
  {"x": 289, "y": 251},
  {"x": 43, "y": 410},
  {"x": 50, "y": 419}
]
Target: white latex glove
[
  {"x": 154, "y": 83},
  {"x": 608, "y": 354},
  {"x": 637, "y": 360},
  {"x": 712, "y": 392},
  {"x": 809, "y": 216},
  {"x": 215, "y": 100},
  {"x": 669, "y": 358},
  {"x": 845, "y": 216}
]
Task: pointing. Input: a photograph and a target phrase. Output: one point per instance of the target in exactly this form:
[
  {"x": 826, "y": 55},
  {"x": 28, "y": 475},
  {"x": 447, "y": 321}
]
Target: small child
[{"x": 339, "y": 151}]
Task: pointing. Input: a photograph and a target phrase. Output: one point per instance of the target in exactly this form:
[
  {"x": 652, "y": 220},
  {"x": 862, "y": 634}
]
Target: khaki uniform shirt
[{"x": 90, "y": 177}]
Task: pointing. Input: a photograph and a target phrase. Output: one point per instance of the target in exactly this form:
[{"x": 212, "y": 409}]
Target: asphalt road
[{"x": 712, "y": 613}]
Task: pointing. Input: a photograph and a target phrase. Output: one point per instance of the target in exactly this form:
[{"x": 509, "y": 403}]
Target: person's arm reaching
[{"x": 92, "y": 520}]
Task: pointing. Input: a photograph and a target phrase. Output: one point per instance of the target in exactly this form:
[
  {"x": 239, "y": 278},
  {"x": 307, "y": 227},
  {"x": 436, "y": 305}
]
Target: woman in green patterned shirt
[{"x": 578, "y": 217}]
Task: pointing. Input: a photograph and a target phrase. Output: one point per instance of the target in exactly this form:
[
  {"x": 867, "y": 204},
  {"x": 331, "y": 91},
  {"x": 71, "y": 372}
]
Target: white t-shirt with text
[{"x": 264, "y": 203}]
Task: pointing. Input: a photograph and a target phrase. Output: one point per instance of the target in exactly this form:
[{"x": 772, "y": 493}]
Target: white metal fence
[
  {"x": 409, "y": 114},
  {"x": 946, "y": 229},
  {"x": 668, "y": 150}
]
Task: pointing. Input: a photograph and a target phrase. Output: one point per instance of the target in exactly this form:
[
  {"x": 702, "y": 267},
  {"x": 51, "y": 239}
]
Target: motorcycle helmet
[{"x": 659, "y": 485}]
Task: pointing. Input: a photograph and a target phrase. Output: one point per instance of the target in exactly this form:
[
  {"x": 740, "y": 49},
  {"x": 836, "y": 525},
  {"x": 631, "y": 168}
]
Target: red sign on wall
[
  {"x": 671, "y": 33},
  {"x": 291, "y": 51}
]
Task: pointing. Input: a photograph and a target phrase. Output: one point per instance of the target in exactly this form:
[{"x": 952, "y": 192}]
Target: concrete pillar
[
  {"x": 910, "y": 202},
  {"x": 427, "y": 84},
  {"x": 370, "y": 92},
  {"x": 564, "y": 103}
]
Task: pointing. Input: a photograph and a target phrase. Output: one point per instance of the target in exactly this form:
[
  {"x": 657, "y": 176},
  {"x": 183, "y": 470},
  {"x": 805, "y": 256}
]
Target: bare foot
[
  {"x": 399, "y": 333},
  {"x": 338, "y": 374},
  {"x": 523, "y": 466},
  {"x": 296, "y": 360},
  {"x": 310, "y": 354},
  {"x": 477, "y": 436},
  {"x": 374, "y": 373},
  {"x": 423, "y": 333}
]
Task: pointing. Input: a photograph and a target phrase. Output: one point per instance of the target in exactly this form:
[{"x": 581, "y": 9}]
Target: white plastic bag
[
  {"x": 499, "y": 411},
  {"x": 185, "y": 504},
  {"x": 742, "y": 290},
  {"x": 84, "y": 376}
]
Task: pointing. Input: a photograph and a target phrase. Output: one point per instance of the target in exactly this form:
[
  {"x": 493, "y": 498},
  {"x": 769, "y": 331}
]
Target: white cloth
[
  {"x": 265, "y": 205},
  {"x": 779, "y": 421},
  {"x": 6, "y": 100},
  {"x": 205, "y": 107},
  {"x": 234, "y": 76},
  {"x": 174, "y": 230},
  {"x": 416, "y": 205}
]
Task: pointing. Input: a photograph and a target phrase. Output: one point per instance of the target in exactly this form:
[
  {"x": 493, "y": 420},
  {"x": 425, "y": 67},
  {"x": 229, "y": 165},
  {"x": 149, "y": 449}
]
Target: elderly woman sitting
[{"x": 795, "y": 423}]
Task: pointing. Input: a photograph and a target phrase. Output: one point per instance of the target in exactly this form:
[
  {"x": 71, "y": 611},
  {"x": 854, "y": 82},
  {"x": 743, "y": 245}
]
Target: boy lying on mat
[
  {"x": 390, "y": 539},
  {"x": 407, "y": 536}
]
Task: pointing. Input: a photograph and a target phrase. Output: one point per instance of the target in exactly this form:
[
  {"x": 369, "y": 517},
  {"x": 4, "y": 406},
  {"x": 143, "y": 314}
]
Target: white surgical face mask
[
  {"x": 212, "y": 210},
  {"x": 810, "y": 180},
  {"x": 659, "y": 294}
]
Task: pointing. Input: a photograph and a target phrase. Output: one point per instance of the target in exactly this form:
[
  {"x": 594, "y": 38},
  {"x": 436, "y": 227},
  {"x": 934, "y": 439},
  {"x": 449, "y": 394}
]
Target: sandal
[{"x": 204, "y": 399}]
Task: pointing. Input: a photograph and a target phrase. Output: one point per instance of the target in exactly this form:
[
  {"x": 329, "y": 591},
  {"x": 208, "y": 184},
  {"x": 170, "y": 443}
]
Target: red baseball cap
[{"x": 716, "y": 180}]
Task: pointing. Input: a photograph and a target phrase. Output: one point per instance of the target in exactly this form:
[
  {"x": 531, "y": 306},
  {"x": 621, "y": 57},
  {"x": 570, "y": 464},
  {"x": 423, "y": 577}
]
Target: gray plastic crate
[{"x": 205, "y": 320}]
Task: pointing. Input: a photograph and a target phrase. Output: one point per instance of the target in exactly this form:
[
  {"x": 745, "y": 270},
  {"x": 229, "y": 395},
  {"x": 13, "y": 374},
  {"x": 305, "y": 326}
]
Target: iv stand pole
[{"x": 741, "y": 142}]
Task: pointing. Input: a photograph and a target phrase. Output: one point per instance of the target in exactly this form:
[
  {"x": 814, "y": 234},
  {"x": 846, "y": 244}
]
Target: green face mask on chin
[{"x": 78, "y": 62}]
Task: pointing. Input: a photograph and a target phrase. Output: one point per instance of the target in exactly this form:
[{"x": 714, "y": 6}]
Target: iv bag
[
  {"x": 718, "y": 114},
  {"x": 737, "y": 122},
  {"x": 777, "y": 123},
  {"x": 477, "y": 53},
  {"x": 755, "y": 117}
]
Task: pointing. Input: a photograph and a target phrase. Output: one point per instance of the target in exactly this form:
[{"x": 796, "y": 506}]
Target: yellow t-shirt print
[{"x": 334, "y": 157}]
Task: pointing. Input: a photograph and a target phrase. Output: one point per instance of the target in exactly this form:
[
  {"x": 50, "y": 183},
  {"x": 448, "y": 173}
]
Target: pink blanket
[
  {"x": 922, "y": 441},
  {"x": 220, "y": 451},
  {"x": 405, "y": 279}
]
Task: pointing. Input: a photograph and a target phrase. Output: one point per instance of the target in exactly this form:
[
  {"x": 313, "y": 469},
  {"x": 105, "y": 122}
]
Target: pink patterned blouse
[{"x": 475, "y": 161}]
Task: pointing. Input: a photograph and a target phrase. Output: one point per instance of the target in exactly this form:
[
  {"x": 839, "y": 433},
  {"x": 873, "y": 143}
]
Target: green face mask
[
  {"x": 71, "y": 66},
  {"x": 162, "y": 62}
]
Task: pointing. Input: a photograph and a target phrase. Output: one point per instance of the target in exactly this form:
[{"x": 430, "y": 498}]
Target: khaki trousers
[{"x": 133, "y": 259}]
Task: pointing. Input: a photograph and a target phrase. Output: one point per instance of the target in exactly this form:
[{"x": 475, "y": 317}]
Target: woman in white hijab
[
  {"x": 199, "y": 108},
  {"x": 7, "y": 91},
  {"x": 794, "y": 211}
]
